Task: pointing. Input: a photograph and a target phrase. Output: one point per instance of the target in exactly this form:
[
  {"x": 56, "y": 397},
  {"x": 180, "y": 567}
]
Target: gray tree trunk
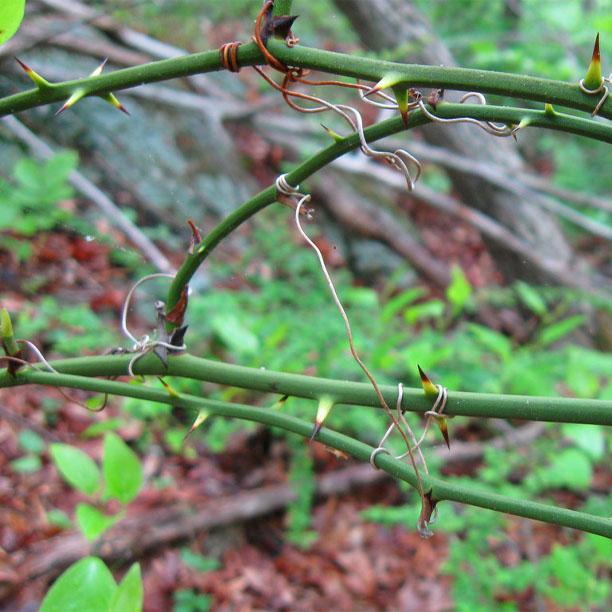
[{"x": 388, "y": 24}]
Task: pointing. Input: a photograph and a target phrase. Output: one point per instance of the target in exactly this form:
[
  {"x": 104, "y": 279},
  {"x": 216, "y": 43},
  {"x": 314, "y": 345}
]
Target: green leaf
[
  {"x": 77, "y": 468},
  {"x": 93, "y": 522},
  {"x": 362, "y": 297},
  {"x": 571, "y": 468},
  {"x": 86, "y": 585},
  {"x": 11, "y": 14},
  {"x": 459, "y": 290},
  {"x": 102, "y": 426},
  {"x": 59, "y": 518},
  {"x": 531, "y": 298},
  {"x": 494, "y": 341},
  {"x": 128, "y": 597},
  {"x": 603, "y": 546},
  {"x": 427, "y": 310},
  {"x": 30, "y": 441},
  {"x": 28, "y": 172},
  {"x": 121, "y": 469},
  {"x": 395, "y": 304},
  {"x": 58, "y": 168},
  {"x": 589, "y": 438},
  {"x": 27, "y": 464},
  {"x": 199, "y": 562},
  {"x": 556, "y": 331},
  {"x": 234, "y": 333}
]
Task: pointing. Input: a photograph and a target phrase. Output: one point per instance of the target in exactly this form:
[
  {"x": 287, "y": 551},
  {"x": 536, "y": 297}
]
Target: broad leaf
[
  {"x": 77, "y": 468},
  {"x": 86, "y": 585},
  {"x": 121, "y": 469},
  {"x": 459, "y": 290},
  {"x": 93, "y": 522},
  {"x": 11, "y": 14},
  {"x": 589, "y": 438},
  {"x": 128, "y": 597}
]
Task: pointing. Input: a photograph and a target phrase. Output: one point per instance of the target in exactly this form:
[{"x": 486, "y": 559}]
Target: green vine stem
[
  {"x": 503, "y": 114},
  {"x": 481, "y": 405},
  {"x": 282, "y": 7},
  {"x": 463, "y": 79},
  {"x": 440, "y": 489}
]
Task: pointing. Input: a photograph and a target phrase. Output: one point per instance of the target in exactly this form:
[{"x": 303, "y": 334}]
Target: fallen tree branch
[
  {"x": 136, "y": 536},
  {"x": 374, "y": 222},
  {"x": 491, "y": 172},
  {"x": 563, "y": 274}
]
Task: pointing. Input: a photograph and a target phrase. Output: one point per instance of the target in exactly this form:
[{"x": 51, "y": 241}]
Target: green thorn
[
  {"x": 38, "y": 80},
  {"x": 430, "y": 389},
  {"x": 336, "y": 137},
  {"x": 389, "y": 80},
  {"x": 593, "y": 77},
  {"x": 73, "y": 99},
  {"x": 8, "y": 336},
  {"x": 111, "y": 99},
  {"x": 202, "y": 416},
  {"x": 326, "y": 403},
  {"x": 401, "y": 96}
]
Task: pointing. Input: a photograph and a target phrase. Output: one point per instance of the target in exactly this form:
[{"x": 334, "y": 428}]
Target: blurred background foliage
[{"x": 262, "y": 301}]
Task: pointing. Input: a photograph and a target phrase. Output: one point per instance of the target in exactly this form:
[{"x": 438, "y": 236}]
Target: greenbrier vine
[{"x": 164, "y": 354}]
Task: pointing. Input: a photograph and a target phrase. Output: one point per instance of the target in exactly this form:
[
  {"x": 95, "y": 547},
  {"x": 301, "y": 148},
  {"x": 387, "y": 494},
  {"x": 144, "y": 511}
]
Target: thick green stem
[
  {"x": 480, "y": 405},
  {"x": 463, "y": 79},
  {"x": 440, "y": 489},
  {"x": 503, "y": 114},
  {"x": 282, "y": 7}
]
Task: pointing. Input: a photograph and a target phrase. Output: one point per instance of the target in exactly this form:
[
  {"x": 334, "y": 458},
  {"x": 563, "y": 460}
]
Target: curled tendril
[
  {"x": 145, "y": 344},
  {"x": 400, "y": 159},
  {"x": 494, "y": 129}
]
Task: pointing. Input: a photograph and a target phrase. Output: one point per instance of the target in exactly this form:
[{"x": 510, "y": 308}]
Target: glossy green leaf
[
  {"x": 128, "y": 597},
  {"x": 77, "y": 468},
  {"x": 11, "y": 15},
  {"x": 93, "y": 522},
  {"x": 121, "y": 469},
  {"x": 86, "y": 585}
]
